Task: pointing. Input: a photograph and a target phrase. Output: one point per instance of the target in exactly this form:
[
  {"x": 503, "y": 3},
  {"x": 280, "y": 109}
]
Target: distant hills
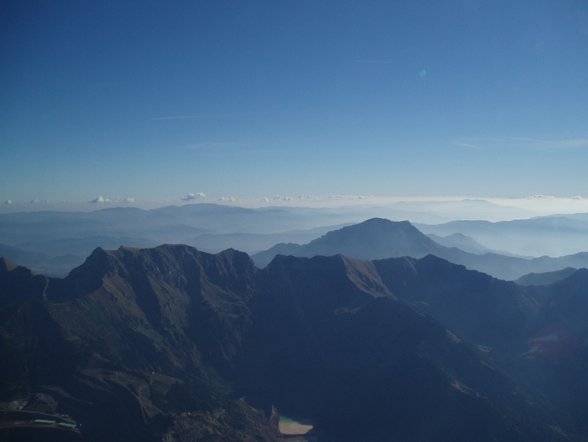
[
  {"x": 174, "y": 344},
  {"x": 545, "y": 278},
  {"x": 53, "y": 242},
  {"x": 548, "y": 235},
  {"x": 462, "y": 242},
  {"x": 380, "y": 238}
]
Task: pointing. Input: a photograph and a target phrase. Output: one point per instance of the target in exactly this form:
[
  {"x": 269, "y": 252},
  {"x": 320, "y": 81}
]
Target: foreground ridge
[{"x": 174, "y": 343}]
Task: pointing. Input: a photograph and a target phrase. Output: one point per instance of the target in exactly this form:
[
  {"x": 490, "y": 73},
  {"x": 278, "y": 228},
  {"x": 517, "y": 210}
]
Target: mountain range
[
  {"x": 379, "y": 238},
  {"x": 175, "y": 344},
  {"x": 53, "y": 242},
  {"x": 555, "y": 235}
]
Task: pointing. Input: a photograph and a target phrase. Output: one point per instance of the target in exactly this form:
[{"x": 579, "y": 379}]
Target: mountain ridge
[
  {"x": 396, "y": 239},
  {"x": 166, "y": 331}
]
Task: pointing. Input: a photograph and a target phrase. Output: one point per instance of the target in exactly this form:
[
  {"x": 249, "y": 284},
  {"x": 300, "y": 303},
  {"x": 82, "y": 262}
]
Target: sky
[{"x": 227, "y": 100}]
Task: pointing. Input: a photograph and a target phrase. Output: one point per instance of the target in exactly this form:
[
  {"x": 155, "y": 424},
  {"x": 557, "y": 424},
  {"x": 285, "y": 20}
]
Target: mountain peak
[
  {"x": 401, "y": 234},
  {"x": 382, "y": 223},
  {"x": 374, "y": 238},
  {"x": 578, "y": 278},
  {"x": 7, "y": 265}
]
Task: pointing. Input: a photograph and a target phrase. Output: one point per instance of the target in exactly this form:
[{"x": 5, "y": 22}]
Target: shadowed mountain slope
[
  {"x": 158, "y": 343},
  {"x": 130, "y": 340},
  {"x": 538, "y": 335}
]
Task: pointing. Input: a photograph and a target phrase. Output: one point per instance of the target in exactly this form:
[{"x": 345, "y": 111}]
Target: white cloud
[
  {"x": 129, "y": 200},
  {"x": 228, "y": 199},
  {"x": 194, "y": 196},
  {"x": 99, "y": 200},
  {"x": 546, "y": 204},
  {"x": 541, "y": 197},
  {"x": 285, "y": 198},
  {"x": 38, "y": 201}
]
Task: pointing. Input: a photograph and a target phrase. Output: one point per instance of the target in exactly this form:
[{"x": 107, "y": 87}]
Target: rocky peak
[{"x": 6, "y": 265}]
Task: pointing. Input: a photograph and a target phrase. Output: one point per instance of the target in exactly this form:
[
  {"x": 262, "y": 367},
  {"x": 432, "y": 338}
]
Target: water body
[{"x": 291, "y": 427}]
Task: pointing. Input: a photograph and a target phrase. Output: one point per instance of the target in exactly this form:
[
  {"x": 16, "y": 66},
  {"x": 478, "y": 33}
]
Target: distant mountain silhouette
[
  {"x": 53, "y": 242},
  {"x": 461, "y": 242},
  {"x": 372, "y": 239},
  {"x": 548, "y": 235},
  {"x": 152, "y": 344},
  {"x": 380, "y": 238},
  {"x": 545, "y": 278}
]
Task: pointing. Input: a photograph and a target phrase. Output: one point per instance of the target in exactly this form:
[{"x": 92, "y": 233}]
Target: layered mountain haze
[
  {"x": 54, "y": 242},
  {"x": 462, "y": 242},
  {"x": 173, "y": 343},
  {"x": 381, "y": 238},
  {"x": 549, "y": 235}
]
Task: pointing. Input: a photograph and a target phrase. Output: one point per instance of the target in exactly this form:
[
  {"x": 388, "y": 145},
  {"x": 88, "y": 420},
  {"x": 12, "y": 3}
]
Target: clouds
[
  {"x": 38, "y": 201},
  {"x": 228, "y": 199},
  {"x": 430, "y": 209},
  {"x": 194, "y": 196},
  {"x": 104, "y": 200},
  {"x": 306, "y": 200},
  {"x": 541, "y": 197},
  {"x": 546, "y": 204},
  {"x": 99, "y": 200}
]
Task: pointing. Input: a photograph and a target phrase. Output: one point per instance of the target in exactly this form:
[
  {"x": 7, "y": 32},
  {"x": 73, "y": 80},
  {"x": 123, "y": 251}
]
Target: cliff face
[
  {"x": 160, "y": 343},
  {"x": 131, "y": 340},
  {"x": 367, "y": 366}
]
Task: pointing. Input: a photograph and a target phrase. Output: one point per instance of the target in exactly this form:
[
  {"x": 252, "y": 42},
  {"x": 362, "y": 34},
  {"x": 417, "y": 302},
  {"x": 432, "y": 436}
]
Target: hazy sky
[{"x": 157, "y": 99}]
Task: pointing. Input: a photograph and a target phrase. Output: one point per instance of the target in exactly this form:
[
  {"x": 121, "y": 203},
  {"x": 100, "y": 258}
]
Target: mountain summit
[
  {"x": 374, "y": 238},
  {"x": 379, "y": 238}
]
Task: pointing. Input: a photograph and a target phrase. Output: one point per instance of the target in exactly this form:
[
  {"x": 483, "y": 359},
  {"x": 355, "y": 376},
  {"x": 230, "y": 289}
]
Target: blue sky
[{"x": 154, "y": 100}]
